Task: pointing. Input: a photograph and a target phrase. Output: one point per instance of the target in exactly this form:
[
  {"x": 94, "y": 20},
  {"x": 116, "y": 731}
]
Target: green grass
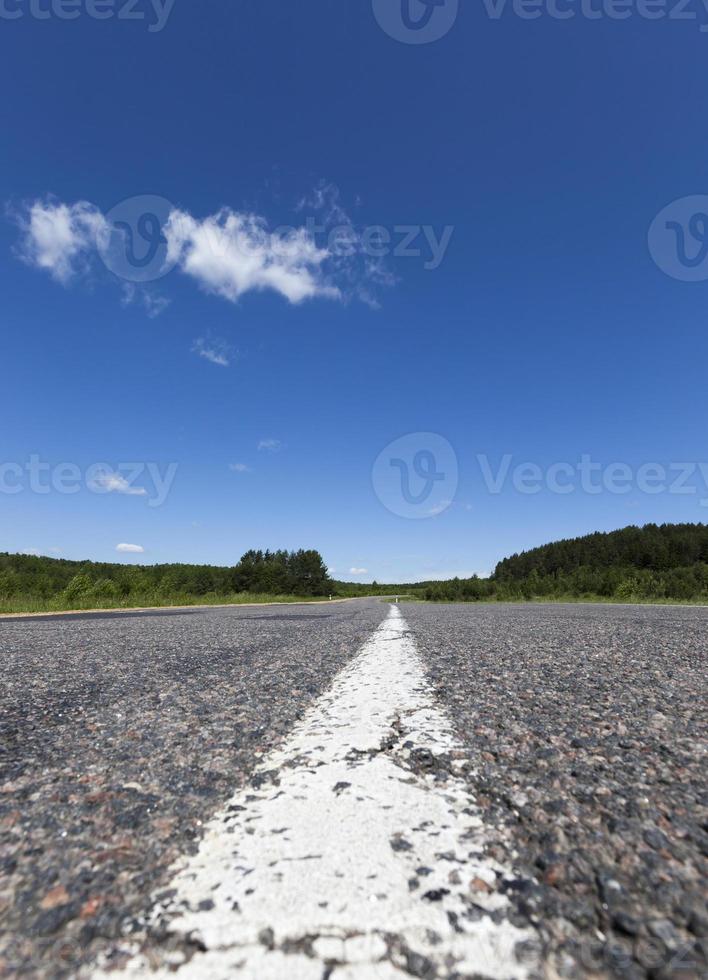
[
  {"x": 551, "y": 599},
  {"x": 29, "y": 604},
  {"x": 614, "y": 601}
]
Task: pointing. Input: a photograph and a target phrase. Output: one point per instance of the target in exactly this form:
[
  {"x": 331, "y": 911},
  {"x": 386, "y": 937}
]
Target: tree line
[
  {"x": 656, "y": 561},
  {"x": 664, "y": 562},
  {"x": 34, "y": 580}
]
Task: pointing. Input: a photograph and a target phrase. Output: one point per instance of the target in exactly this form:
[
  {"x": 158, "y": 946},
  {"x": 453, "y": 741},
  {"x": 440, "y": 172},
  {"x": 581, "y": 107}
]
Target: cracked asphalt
[{"x": 584, "y": 726}]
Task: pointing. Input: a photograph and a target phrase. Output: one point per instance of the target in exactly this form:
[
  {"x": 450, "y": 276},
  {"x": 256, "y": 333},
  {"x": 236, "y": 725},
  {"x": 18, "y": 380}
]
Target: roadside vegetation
[
  {"x": 654, "y": 563},
  {"x": 37, "y": 584}
]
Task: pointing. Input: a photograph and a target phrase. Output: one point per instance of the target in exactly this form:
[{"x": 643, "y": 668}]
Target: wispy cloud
[
  {"x": 270, "y": 446},
  {"x": 239, "y": 468},
  {"x": 130, "y": 549},
  {"x": 229, "y": 253},
  {"x": 358, "y": 571},
  {"x": 153, "y": 303},
  {"x": 439, "y": 508},
  {"x": 357, "y": 271},
  {"x": 110, "y": 482},
  {"x": 213, "y": 350}
]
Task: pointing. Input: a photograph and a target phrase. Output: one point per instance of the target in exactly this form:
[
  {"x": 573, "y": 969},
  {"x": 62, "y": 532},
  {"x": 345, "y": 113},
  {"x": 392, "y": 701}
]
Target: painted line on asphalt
[{"x": 356, "y": 853}]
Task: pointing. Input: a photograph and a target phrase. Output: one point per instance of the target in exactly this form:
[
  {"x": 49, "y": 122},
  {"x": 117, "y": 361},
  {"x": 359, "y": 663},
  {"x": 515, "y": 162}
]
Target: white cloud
[
  {"x": 130, "y": 549},
  {"x": 358, "y": 571},
  {"x": 270, "y": 445},
  {"x": 59, "y": 237},
  {"x": 115, "y": 483},
  {"x": 239, "y": 468},
  {"x": 214, "y": 351},
  {"x": 229, "y": 254}
]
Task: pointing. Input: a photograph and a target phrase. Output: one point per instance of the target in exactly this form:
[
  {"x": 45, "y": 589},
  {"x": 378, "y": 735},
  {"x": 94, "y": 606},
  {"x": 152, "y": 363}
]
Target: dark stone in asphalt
[
  {"x": 625, "y": 923},
  {"x": 585, "y": 727},
  {"x": 436, "y": 894},
  {"x": 419, "y": 966}
]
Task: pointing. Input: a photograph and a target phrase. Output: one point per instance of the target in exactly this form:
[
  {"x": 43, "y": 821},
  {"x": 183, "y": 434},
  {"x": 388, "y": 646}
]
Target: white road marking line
[{"x": 356, "y": 851}]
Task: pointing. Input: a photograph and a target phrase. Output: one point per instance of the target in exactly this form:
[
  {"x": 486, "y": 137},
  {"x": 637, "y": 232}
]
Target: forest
[
  {"x": 654, "y": 562},
  {"x": 667, "y": 562},
  {"x": 30, "y": 582}
]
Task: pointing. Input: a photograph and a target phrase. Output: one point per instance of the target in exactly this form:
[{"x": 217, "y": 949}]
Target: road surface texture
[
  {"x": 346, "y": 792},
  {"x": 120, "y": 737},
  {"x": 587, "y": 730}
]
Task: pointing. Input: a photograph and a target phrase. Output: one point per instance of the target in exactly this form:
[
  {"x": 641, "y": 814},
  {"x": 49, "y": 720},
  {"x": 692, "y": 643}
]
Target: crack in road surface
[{"x": 356, "y": 853}]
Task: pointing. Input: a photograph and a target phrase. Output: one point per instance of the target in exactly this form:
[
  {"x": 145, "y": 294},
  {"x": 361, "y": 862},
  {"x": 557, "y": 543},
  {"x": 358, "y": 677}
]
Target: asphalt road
[
  {"x": 583, "y": 733},
  {"x": 587, "y": 729},
  {"x": 120, "y": 736}
]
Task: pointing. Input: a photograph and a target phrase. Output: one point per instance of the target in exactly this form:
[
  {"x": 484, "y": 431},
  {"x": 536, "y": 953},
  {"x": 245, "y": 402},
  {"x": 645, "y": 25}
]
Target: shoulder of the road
[{"x": 167, "y": 610}]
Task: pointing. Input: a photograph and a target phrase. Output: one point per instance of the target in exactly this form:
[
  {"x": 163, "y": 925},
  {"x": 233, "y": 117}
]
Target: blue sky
[{"x": 269, "y": 369}]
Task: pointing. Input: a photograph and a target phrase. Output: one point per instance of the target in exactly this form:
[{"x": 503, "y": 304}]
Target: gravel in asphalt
[
  {"x": 120, "y": 736},
  {"x": 586, "y": 727},
  {"x": 359, "y": 855}
]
